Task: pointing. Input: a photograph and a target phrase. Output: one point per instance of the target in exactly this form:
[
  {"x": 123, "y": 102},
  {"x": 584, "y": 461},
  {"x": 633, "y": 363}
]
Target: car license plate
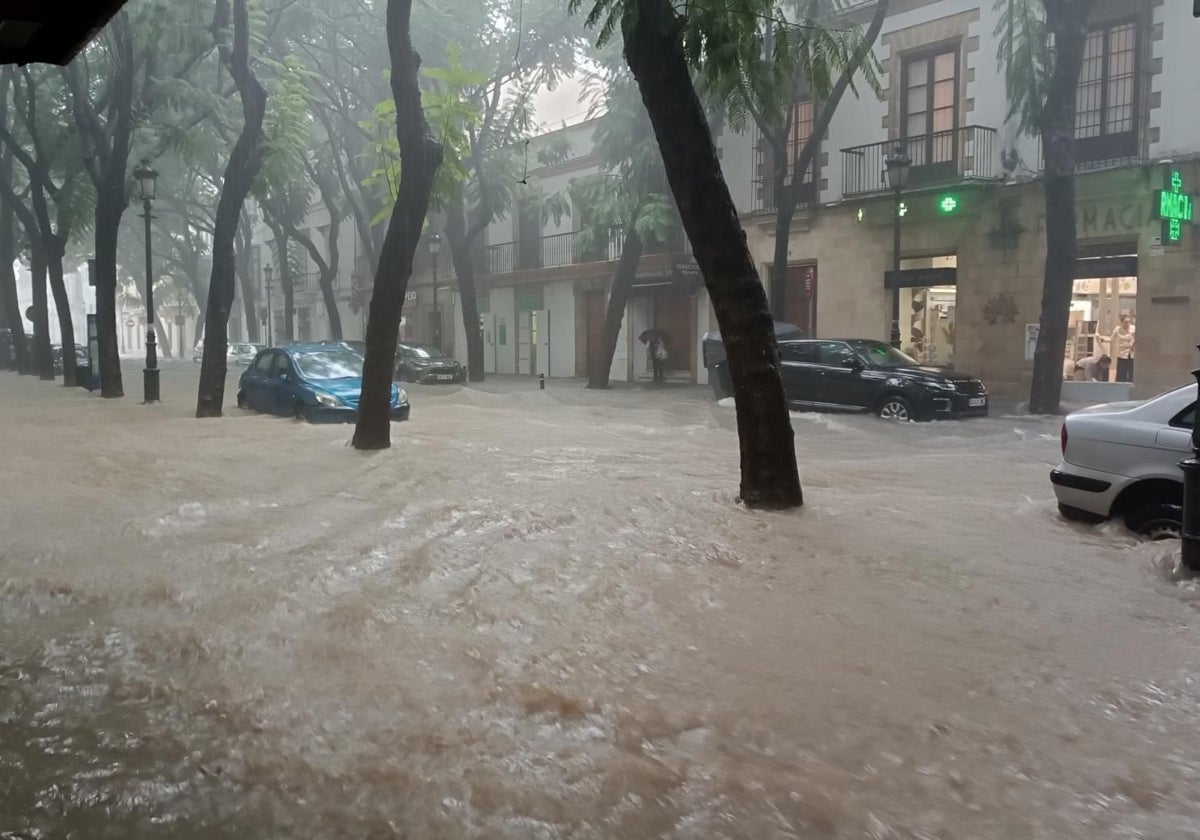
[
  {"x": 444, "y": 377},
  {"x": 978, "y": 402}
]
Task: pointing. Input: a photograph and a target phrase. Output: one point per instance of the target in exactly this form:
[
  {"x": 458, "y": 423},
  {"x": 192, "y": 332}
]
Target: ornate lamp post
[
  {"x": 895, "y": 178},
  {"x": 435, "y": 248},
  {"x": 146, "y": 178},
  {"x": 1191, "y": 497}
]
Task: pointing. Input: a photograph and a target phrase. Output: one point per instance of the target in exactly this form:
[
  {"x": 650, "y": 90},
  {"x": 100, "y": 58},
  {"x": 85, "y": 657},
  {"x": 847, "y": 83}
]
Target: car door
[
  {"x": 800, "y": 372},
  {"x": 255, "y": 382},
  {"x": 842, "y": 382},
  {"x": 285, "y": 387}
]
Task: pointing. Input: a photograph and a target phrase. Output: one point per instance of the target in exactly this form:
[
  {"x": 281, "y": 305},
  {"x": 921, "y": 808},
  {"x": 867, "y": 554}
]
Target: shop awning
[{"x": 50, "y": 31}]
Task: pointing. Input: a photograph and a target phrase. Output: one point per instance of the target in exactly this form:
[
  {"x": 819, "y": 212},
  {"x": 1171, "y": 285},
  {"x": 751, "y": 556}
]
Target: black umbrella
[{"x": 650, "y": 335}]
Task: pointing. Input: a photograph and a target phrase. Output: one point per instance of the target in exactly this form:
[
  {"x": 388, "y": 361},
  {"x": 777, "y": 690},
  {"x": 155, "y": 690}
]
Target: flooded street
[{"x": 541, "y": 615}]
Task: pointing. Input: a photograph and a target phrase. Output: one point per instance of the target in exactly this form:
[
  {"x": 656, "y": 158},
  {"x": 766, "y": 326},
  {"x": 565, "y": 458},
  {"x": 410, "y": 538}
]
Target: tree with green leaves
[
  {"x": 1041, "y": 46},
  {"x": 804, "y": 49},
  {"x": 663, "y": 45},
  {"x": 518, "y": 47},
  {"x": 420, "y": 159},
  {"x": 240, "y": 172},
  {"x": 47, "y": 147},
  {"x": 627, "y": 198}
]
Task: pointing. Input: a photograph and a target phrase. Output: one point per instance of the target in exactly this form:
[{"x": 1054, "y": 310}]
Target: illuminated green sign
[
  {"x": 947, "y": 204},
  {"x": 1174, "y": 207}
]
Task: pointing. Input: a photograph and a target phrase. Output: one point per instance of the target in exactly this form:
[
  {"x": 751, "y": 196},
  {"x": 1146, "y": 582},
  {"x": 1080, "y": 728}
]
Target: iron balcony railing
[
  {"x": 944, "y": 157},
  {"x": 565, "y": 249}
]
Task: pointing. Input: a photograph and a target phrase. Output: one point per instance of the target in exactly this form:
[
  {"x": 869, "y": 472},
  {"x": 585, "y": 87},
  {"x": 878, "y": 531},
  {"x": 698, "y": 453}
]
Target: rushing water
[{"x": 542, "y": 615}]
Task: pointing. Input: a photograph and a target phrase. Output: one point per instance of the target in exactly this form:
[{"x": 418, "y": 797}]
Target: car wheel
[
  {"x": 1156, "y": 521},
  {"x": 300, "y": 412},
  {"x": 895, "y": 408},
  {"x": 241, "y": 400}
]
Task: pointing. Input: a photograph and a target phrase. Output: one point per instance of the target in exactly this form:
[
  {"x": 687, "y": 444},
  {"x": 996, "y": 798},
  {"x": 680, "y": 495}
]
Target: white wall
[
  {"x": 504, "y": 308},
  {"x": 1179, "y": 83},
  {"x": 559, "y": 300}
]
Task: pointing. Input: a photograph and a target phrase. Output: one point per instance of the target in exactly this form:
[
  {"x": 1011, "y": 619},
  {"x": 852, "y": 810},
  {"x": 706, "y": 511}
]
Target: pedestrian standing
[
  {"x": 1122, "y": 347},
  {"x": 658, "y": 358}
]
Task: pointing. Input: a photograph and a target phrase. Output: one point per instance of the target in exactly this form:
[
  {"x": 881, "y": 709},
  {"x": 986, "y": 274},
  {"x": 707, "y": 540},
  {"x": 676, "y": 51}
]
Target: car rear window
[{"x": 1186, "y": 419}]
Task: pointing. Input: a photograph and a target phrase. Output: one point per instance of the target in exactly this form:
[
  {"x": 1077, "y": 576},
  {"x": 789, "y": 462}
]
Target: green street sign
[{"x": 1173, "y": 207}]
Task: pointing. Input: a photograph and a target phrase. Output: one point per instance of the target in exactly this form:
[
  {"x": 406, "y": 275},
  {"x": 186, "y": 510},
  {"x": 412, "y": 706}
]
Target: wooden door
[
  {"x": 800, "y": 298},
  {"x": 673, "y": 316}
]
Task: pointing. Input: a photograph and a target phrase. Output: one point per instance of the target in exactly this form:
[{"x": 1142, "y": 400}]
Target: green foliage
[{"x": 1026, "y": 54}]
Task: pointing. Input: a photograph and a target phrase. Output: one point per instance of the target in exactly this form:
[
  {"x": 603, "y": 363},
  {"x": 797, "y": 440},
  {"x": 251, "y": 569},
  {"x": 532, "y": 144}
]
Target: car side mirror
[
  {"x": 284, "y": 377},
  {"x": 854, "y": 365}
]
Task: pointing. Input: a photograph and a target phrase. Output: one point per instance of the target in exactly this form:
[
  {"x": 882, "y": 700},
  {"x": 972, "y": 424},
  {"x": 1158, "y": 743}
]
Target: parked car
[
  {"x": 233, "y": 352},
  {"x": 424, "y": 363},
  {"x": 314, "y": 382},
  {"x": 82, "y": 361},
  {"x": 872, "y": 376},
  {"x": 247, "y": 351},
  {"x": 713, "y": 350},
  {"x": 1121, "y": 461}
]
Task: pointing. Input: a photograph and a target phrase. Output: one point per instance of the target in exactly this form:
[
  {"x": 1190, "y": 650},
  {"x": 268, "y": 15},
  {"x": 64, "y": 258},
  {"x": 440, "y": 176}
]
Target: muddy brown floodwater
[{"x": 542, "y": 615}]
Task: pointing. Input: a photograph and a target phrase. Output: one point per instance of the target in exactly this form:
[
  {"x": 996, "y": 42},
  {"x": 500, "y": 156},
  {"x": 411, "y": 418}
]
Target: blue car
[{"x": 320, "y": 383}]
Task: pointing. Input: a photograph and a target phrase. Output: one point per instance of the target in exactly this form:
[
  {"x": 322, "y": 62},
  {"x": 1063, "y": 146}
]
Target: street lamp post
[
  {"x": 267, "y": 270},
  {"x": 895, "y": 177},
  {"x": 146, "y": 178},
  {"x": 1191, "y": 497},
  {"x": 435, "y": 248}
]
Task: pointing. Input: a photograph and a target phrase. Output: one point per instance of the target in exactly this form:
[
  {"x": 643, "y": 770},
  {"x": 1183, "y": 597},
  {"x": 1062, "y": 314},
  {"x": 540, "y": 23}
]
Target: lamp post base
[{"x": 150, "y": 385}]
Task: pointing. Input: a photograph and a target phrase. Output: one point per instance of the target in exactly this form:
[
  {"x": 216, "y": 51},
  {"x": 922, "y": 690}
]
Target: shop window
[
  {"x": 1106, "y": 99},
  {"x": 1098, "y": 307}
]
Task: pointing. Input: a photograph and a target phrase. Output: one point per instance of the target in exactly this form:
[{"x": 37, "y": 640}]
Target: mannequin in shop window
[{"x": 1122, "y": 347}]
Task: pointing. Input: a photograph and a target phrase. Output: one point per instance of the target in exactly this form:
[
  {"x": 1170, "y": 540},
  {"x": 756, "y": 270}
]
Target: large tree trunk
[
  {"x": 600, "y": 365},
  {"x": 784, "y": 213},
  {"x": 287, "y": 282},
  {"x": 244, "y": 163},
  {"x": 56, "y": 249},
  {"x": 164, "y": 336},
  {"x": 110, "y": 204},
  {"x": 420, "y": 157},
  {"x": 1067, "y": 19},
  {"x": 464, "y": 269},
  {"x": 653, "y": 49},
  {"x": 331, "y": 305}
]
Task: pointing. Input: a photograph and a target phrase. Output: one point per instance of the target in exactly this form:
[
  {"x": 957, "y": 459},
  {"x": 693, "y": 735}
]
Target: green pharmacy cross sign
[{"x": 1174, "y": 207}]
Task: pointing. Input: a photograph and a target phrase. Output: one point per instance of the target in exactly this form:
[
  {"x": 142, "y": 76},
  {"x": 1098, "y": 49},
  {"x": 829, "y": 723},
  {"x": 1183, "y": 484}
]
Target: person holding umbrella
[{"x": 656, "y": 342}]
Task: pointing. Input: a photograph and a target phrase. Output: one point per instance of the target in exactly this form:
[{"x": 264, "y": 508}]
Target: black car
[
  {"x": 714, "y": 356},
  {"x": 424, "y": 363},
  {"x": 872, "y": 376}
]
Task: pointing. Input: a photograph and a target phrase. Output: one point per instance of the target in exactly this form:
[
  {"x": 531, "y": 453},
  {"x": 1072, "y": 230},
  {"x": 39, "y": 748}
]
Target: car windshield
[
  {"x": 329, "y": 364},
  {"x": 884, "y": 355},
  {"x": 426, "y": 352}
]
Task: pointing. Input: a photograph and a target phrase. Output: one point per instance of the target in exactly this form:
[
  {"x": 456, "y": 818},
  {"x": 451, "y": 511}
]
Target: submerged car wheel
[
  {"x": 896, "y": 408},
  {"x": 241, "y": 400},
  {"x": 1156, "y": 521},
  {"x": 300, "y": 412}
]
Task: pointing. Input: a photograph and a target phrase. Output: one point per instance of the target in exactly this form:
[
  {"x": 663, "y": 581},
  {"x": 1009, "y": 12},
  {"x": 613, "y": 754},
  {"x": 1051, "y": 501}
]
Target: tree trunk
[
  {"x": 8, "y": 277},
  {"x": 287, "y": 282},
  {"x": 163, "y": 337},
  {"x": 249, "y": 301},
  {"x": 653, "y": 49},
  {"x": 110, "y": 204},
  {"x": 43, "y": 363},
  {"x": 464, "y": 269},
  {"x": 600, "y": 365},
  {"x": 56, "y": 247},
  {"x": 420, "y": 157},
  {"x": 1067, "y": 19},
  {"x": 244, "y": 163},
  {"x": 331, "y": 305},
  {"x": 788, "y": 195}
]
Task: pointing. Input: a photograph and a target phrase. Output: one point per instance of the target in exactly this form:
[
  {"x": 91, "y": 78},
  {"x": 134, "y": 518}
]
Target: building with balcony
[{"x": 973, "y": 244}]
